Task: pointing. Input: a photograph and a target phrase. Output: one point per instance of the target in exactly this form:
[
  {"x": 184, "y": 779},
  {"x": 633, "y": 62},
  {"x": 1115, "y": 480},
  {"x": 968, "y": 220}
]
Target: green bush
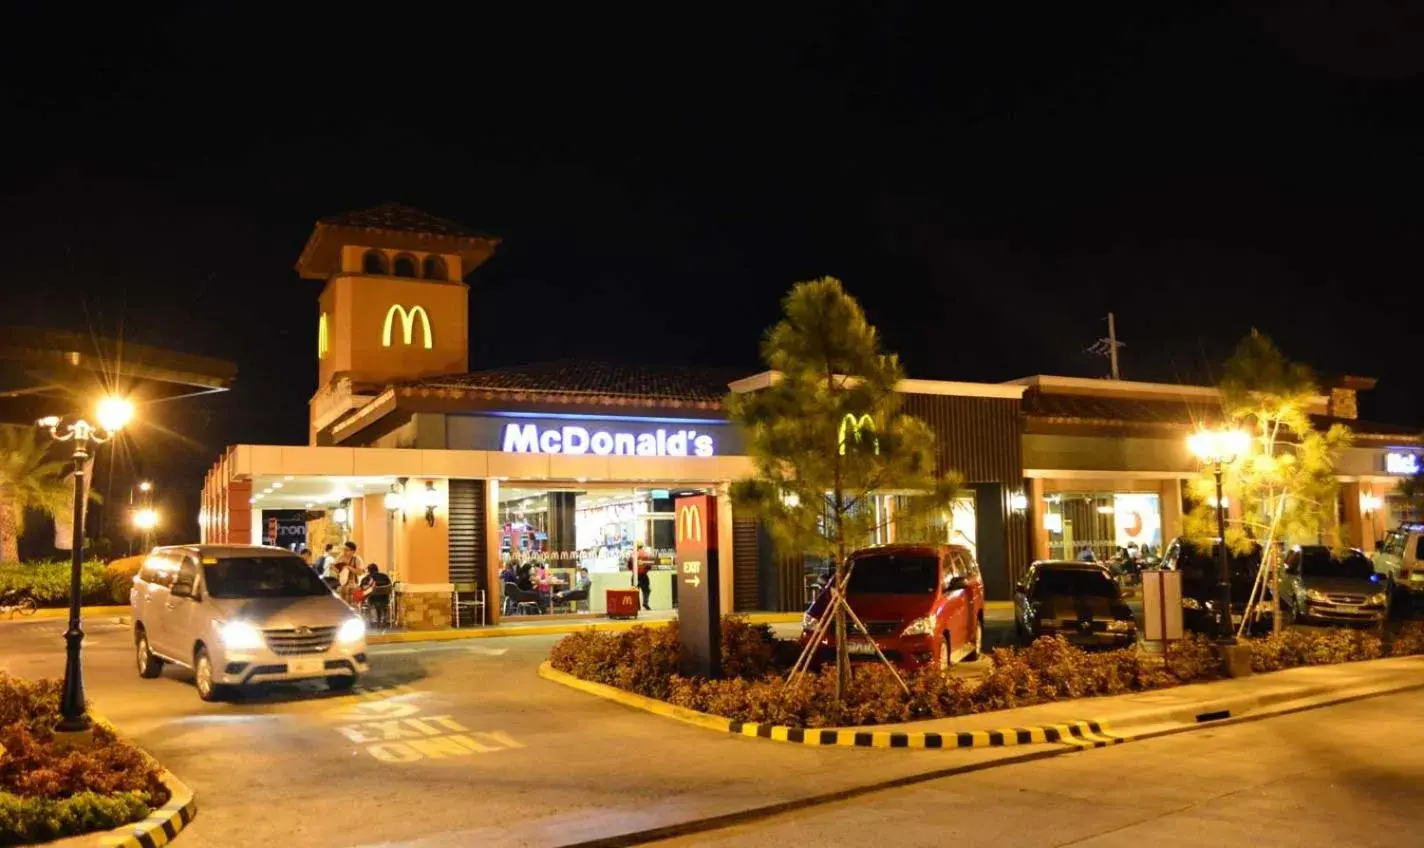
[
  {"x": 119, "y": 574},
  {"x": 29, "y": 820},
  {"x": 47, "y": 791},
  {"x": 50, "y": 582}
]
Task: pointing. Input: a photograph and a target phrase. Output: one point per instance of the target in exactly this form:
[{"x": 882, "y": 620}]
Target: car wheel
[
  {"x": 28, "y": 606},
  {"x": 203, "y": 677},
  {"x": 149, "y": 666},
  {"x": 978, "y": 648},
  {"x": 944, "y": 657},
  {"x": 341, "y": 682}
]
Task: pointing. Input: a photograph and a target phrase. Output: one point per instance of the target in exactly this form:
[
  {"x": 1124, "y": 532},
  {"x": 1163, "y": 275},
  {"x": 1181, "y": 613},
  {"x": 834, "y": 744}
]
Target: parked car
[
  {"x": 242, "y": 614},
  {"x": 1316, "y": 585},
  {"x": 921, "y": 604},
  {"x": 1399, "y": 559},
  {"x": 1080, "y": 601},
  {"x": 1199, "y": 562}
]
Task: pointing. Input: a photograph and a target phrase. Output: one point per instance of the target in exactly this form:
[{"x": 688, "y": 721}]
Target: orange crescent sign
[{"x": 1135, "y": 528}]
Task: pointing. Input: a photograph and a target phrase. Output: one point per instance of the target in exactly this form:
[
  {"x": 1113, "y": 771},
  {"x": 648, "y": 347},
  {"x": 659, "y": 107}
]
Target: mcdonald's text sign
[{"x": 698, "y": 586}]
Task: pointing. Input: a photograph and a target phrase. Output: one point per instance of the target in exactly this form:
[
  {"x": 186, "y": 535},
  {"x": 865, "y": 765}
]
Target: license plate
[
  {"x": 857, "y": 647},
  {"x": 315, "y": 666}
]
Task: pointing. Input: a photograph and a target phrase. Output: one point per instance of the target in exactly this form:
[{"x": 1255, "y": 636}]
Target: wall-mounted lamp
[
  {"x": 1018, "y": 502},
  {"x": 432, "y": 500},
  {"x": 1369, "y": 503},
  {"x": 394, "y": 500},
  {"x": 342, "y": 514}
]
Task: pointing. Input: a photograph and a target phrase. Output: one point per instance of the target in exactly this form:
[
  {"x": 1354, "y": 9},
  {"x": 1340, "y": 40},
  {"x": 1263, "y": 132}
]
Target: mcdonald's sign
[
  {"x": 323, "y": 337},
  {"x": 407, "y": 320},
  {"x": 856, "y": 428},
  {"x": 689, "y": 523}
]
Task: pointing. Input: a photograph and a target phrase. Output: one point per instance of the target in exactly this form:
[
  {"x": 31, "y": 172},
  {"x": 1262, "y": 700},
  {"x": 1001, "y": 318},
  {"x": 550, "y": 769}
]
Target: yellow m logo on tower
[
  {"x": 407, "y": 320},
  {"x": 856, "y": 428},
  {"x": 689, "y": 524},
  {"x": 323, "y": 337}
]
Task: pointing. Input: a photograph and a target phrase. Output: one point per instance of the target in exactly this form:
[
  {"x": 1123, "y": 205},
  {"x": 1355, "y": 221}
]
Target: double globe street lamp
[
  {"x": 111, "y": 415},
  {"x": 1218, "y": 448}
]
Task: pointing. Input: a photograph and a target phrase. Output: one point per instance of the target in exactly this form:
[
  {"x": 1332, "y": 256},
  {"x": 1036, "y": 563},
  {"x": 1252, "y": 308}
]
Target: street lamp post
[
  {"x": 112, "y": 414},
  {"x": 1219, "y": 448}
]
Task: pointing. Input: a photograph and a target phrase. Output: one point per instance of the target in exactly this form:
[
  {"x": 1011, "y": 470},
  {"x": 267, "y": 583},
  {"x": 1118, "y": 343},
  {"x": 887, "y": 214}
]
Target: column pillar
[
  {"x": 1352, "y": 524},
  {"x": 494, "y": 599},
  {"x": 1171, "y": 496},
  {"x": 1037, "y": 509},
  {"x": 239, "y": 513},
  {"x": 724, "y": 550},
  {"x": 425, "y": 560}
]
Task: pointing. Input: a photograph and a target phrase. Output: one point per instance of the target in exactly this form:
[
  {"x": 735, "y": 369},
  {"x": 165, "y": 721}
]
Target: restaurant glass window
[
  {"x": 1107, "y": 523},
  {"x": 563, "y": 548}
]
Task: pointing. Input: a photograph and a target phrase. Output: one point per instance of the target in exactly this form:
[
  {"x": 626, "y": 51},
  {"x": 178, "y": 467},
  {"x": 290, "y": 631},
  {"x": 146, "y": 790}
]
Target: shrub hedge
[
  {"x": 47, "y": 792},
  {"x": 50, "y": 582},
  {"x": 645, "y": 660}
]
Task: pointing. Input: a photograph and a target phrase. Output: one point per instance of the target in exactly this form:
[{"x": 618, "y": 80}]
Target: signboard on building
[
  {"x": 698, "y": 588},
  {"x": 592, "y": 435},
  {"x": 1404, "y": 463},
  {"x": 1137, "y": 519}
]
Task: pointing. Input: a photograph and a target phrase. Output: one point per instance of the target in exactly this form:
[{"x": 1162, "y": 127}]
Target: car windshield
[
  {"x": 262, "y": 577},
  {"x": 1321, "y": 564},
  {"x": 894, "y": 574},
  {"x": 1075, "y": 582},
  {"x": 1200, "y": 558}
]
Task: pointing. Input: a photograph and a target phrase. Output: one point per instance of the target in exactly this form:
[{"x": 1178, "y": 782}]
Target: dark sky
[{"x": 989, "y": 181}]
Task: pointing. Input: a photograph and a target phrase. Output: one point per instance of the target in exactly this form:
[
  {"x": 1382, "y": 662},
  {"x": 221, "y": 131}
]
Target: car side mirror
[
  {"x": 956, "y": 583},
  {"x": 185, "y": 590}
]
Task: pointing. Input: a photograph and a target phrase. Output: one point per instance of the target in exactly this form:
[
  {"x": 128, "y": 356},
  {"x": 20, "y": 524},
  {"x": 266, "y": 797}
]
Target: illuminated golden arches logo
[
  {"x": 689, "y": 524},
  {"x": 407, "y": 320},
  {"x": 323, "y": 337},
  {"x": 856, "y": 427}
]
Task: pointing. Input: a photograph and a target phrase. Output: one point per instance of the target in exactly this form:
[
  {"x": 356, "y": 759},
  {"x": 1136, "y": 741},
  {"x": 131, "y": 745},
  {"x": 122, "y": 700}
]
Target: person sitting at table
[
  {"x": 525, "y": 579},
  {"x": 508, "y": 574},
  {"x": 580, "y": 590},
  {"x": 377, "y": 589}
]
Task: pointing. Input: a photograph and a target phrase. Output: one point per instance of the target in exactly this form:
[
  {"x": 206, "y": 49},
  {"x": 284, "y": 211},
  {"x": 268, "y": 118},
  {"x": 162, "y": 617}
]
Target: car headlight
[
  {"x": 352, "y": 630},
  {"x": 241, "y": 636},
  {"x": 1121, "y": 626},
  {"x": 1191, "y": 603},
  {"x": 1378, "y": 599},
  {"x": 1317, "y": 595},
  {"x": 922, "y": 626}
]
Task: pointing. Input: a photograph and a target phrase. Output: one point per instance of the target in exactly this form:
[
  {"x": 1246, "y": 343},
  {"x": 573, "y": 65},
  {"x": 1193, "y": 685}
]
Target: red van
[{"x": 922, "y": 604}]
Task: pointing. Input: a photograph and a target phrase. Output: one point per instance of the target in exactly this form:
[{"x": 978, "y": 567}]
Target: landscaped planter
[{"x": 48, "y": 791}]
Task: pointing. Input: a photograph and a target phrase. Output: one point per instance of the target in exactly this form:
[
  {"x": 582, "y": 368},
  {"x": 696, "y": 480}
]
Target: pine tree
[
  {"x": 1285, "y": 484},
  {"x": 828, "y": 436}
]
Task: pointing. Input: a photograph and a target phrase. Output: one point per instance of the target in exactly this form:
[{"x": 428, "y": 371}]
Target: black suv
[{"x": 1198, "y": 560}]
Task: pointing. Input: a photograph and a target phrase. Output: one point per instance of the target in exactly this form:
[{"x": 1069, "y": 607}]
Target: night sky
[{"x": 990, "y": 182}]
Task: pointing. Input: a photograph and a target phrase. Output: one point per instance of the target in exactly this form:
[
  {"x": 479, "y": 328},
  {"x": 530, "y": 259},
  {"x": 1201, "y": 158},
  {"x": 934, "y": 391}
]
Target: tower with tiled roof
[{"x": 394, "y": 305}]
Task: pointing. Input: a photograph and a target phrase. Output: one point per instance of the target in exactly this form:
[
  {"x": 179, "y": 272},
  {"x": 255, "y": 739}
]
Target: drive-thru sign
[{"x": 699, "y": 627}]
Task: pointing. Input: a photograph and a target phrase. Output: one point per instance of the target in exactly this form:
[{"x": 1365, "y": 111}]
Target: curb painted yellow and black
[
  {"x": 1087, "y": 733},
  {"x": 47, "y": 613},
  {"x": 161, "y": 826}
]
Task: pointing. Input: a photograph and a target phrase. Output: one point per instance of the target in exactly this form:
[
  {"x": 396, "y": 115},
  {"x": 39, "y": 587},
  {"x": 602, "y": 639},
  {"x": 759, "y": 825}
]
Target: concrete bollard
[{"x": 1235, "y": 660}]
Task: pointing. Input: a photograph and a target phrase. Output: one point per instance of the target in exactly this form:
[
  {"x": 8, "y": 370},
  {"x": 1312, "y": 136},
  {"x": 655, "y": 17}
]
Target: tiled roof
[
  {"x": 394, "y": 216},
  {"x": 589, "y": 382},
  {"x": 1086, "y": 409}
]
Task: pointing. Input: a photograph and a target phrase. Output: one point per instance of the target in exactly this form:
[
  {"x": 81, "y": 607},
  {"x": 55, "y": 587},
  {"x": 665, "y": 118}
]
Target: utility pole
[
  {"x": 1112, "y": 346},
  {"x": 1108, "y": 347}
]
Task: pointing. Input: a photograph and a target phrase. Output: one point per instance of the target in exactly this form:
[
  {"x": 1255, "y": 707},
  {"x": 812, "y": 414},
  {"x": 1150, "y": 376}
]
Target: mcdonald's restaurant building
[{"x": 457, "y": 482}]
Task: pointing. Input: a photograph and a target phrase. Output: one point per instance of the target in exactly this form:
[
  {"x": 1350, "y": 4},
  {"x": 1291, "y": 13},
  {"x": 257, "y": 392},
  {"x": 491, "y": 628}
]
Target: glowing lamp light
[
  {"x": 1225, "y": 502},
  {"x": 146, "y": 519},
  {"x": 1219, "y": 446},
  {"x": 1370, "y": 502},
  {"x": 145, "y": 486},
  {"x": 339, "y": 515},
  {"x": 394, "y": 501},
  {"x": 1018, "y": 502},
  {"x": 114, "y": 413}
]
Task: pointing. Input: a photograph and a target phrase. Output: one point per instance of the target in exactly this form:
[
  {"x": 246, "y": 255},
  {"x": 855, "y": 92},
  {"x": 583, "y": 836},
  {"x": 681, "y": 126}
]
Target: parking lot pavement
[
  {"x": 453, "y": 743},
  {"x": 1335, "y": 776}
]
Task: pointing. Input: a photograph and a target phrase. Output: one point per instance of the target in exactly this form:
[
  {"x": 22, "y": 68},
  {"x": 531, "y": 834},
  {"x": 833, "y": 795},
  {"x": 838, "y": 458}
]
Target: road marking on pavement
[{"x": 393, "y": 730}]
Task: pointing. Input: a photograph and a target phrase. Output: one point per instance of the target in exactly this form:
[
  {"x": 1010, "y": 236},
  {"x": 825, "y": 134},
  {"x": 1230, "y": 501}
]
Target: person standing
[{"x": 349, "y": 572}]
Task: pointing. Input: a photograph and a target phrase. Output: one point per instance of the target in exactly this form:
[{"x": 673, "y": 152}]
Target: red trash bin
[{"x": 623, "y": 603}]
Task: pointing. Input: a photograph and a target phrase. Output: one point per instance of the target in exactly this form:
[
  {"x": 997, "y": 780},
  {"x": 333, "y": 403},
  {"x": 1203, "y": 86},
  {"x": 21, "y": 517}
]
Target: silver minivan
[{"x": 242, "y": 614}]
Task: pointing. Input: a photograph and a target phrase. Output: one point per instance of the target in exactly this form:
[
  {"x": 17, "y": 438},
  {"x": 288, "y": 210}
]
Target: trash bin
[{"x": 622, "y": 603}]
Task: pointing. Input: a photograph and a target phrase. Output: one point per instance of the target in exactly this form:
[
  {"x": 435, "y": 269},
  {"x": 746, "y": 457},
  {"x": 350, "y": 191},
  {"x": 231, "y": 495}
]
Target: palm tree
[{"x": 29, "y": 479}]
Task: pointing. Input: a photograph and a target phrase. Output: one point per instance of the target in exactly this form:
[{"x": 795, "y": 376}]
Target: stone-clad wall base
[{"x": 426, "y": 611}]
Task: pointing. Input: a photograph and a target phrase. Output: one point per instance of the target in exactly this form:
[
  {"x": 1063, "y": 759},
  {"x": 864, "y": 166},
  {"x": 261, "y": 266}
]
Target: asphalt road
[
  {"x": 460, "y": 743},
  {"x": 1342, "y": 775}
]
